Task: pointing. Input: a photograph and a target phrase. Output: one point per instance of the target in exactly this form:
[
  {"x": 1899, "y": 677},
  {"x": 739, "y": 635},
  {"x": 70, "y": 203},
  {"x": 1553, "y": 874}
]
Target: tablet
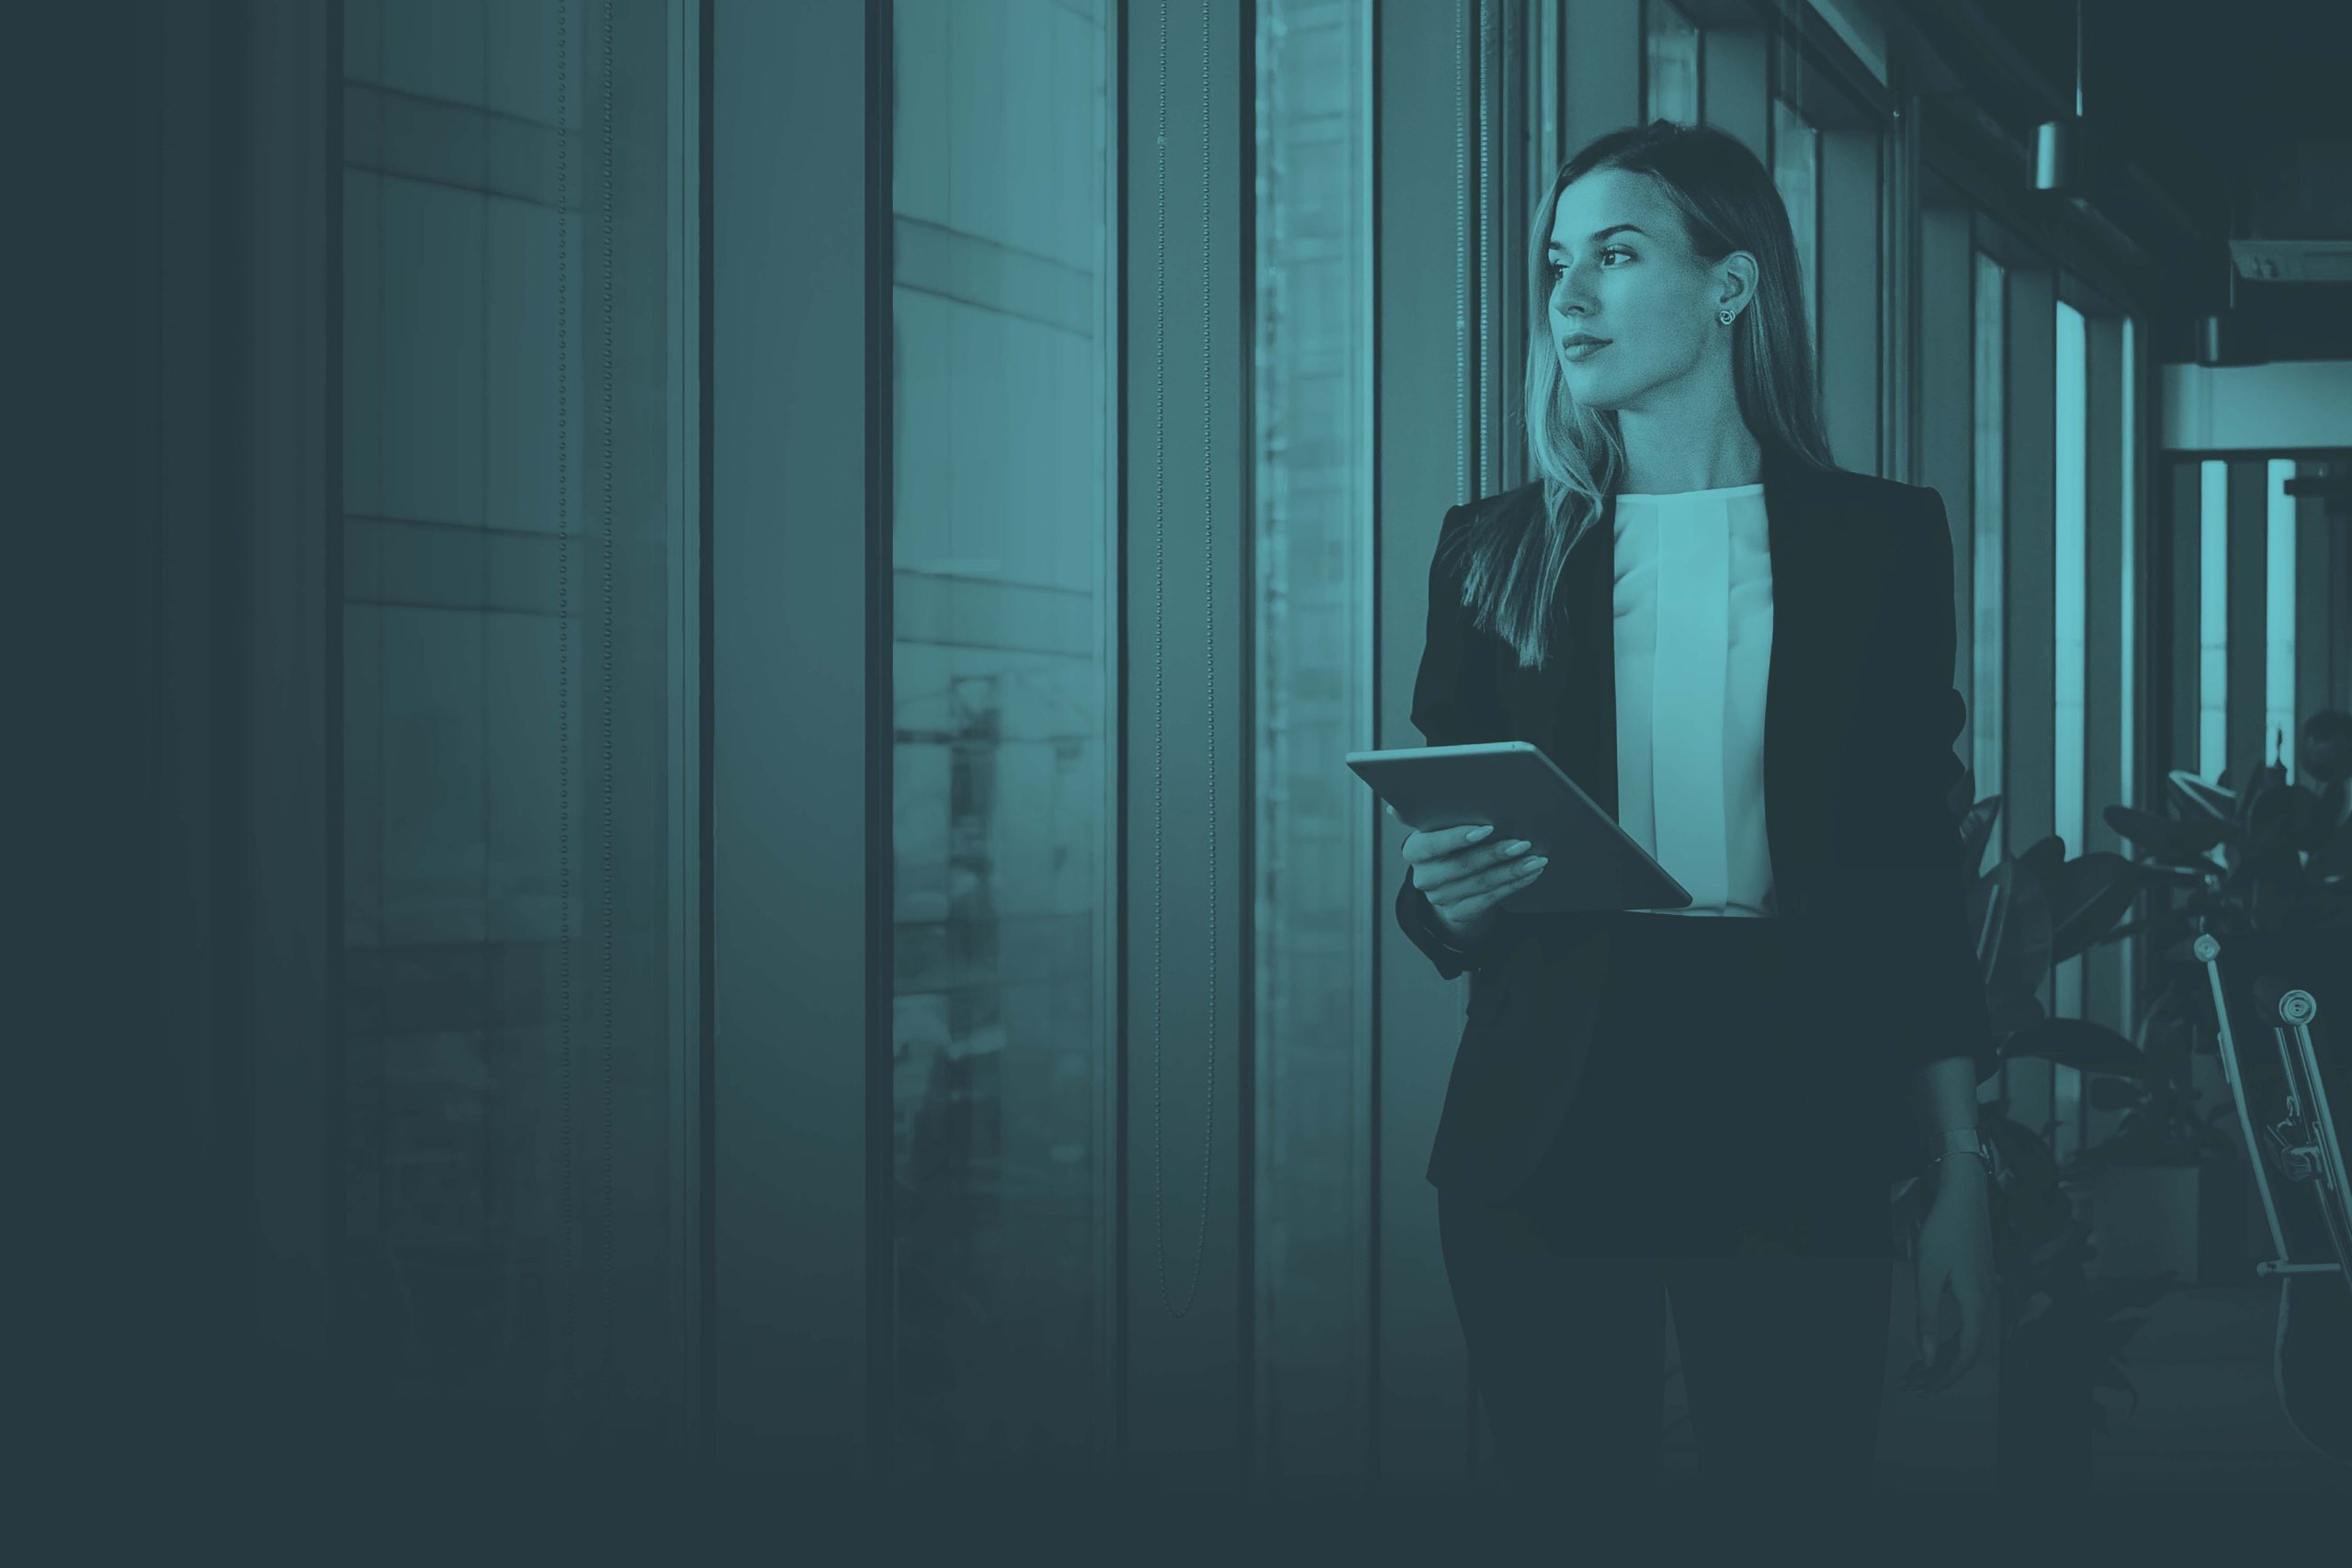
[{"x": 1596, "y": 865}]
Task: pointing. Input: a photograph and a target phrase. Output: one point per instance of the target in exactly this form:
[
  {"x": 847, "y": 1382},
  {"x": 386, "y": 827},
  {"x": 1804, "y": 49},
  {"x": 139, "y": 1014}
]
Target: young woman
[{"x": 1745, "y": 655}]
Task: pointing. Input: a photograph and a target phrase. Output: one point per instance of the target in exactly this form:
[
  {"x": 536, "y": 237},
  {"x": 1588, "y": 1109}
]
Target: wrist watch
[{"x": 1952, "y": 1138}]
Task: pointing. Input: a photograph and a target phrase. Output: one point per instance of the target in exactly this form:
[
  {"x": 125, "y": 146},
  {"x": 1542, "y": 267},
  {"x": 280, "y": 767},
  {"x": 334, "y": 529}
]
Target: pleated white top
[{"x": 1692, "y": 612}]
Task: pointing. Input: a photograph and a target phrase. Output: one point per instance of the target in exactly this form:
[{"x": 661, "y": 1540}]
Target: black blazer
[{"x": 1861, "y": 718}]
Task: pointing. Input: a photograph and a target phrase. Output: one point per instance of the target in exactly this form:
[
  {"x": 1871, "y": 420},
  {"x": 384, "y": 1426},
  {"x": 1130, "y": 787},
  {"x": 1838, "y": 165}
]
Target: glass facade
[
  {"x": 2070, "y": 593},
  {"x": 2279, "y": 618},
  {"x": 2129, "y": 531},
  {"x": 1990, "y": 453},
  {"x": 513, "y": 700},
  {"x": 1796, "y": 173},
  {"x": 1312, "y": 371},
  {"x": 1671, "y": 47},
  {"x": 2212, "y": 619},
  {"x": 1002, "y": 721}
]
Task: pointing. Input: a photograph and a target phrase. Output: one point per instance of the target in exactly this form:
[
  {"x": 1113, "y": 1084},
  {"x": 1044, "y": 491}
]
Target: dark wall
[
  {"x": 129, "y": 1296},
  {"x": 168, "y": 452}
]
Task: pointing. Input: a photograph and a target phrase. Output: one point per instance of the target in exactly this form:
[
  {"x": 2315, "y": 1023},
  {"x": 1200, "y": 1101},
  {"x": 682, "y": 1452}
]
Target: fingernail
[
  {"x": 1477, "y": 833},
  {"x": 1538, "y": 863}
]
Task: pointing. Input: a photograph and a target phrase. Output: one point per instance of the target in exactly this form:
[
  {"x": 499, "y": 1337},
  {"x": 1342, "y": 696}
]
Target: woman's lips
[{"x": 1577, "y": 353}]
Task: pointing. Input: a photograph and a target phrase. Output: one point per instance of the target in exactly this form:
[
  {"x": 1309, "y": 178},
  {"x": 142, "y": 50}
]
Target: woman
[{"x": 1706, "y": 1104}]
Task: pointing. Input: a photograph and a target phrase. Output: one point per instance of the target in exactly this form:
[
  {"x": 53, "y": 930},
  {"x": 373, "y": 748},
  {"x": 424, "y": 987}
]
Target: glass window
[
  {"x": 1796, "y": 170},
  {"x": 2069, "y": 586},
  {"x": 1002, "y": 700},
  {"x": 513, "y": 699},
  {"x": 1990, "y": 542},
  {"x": 1673, "y": 50},
  {"x": 2070, "y": 592},
  {"x": 2128, "y": 491},
  {"x": 1313, "y": 364},
  {"x": 2128, "y": 620},
  {"x": 2278, "y": 616},
  {"x": 2213, "y": 618}
]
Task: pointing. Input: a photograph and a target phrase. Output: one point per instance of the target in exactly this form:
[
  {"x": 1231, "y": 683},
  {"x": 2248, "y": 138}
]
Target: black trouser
[{"x": 1710, "y": 1152}]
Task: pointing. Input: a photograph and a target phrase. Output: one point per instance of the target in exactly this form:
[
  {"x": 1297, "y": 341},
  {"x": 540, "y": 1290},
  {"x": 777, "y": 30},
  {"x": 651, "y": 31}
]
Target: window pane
[
  {"x": 1796, "y": 170},
  {"x": 2128, "y": 619},
  {"x": 2127, "y": 767},
  {"x": 2279, "y": 611},
  {"x": 1000, "y": 682},
  {"x": 2212, "y": 618},
  {"x": 2069, "y": 588},
  {"x": 1673, "y": 66},
  {"x": 1991, "y": 543},
  {"x": 1313, "y": 551},
  {"x": 516, "y": 1041}
]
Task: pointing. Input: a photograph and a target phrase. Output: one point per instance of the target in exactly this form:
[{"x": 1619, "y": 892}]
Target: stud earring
[{"x": 1723, "y": 316}]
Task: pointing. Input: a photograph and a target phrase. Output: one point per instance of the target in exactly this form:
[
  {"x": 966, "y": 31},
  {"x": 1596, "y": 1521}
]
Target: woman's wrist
[
  {"x": 1973, "y": 1173},
  {"x": 1462, "y": 936}
]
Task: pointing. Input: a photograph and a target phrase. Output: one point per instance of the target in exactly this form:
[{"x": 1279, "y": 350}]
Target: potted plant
[
  {"x": 2271, "y": 857},
  {"x": 2169, "y": 1183},
  {"x": 2286, "y": 852}
]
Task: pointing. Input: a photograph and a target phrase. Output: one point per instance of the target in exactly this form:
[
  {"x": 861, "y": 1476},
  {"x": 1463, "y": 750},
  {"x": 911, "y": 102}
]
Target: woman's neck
[{"x": 1663, "y": 458}]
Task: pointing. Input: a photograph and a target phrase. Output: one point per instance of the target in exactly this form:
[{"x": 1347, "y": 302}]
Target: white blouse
[{"x": 1693, "y": 612}]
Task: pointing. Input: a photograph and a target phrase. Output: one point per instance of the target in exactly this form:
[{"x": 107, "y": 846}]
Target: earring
[{"x": 1723, "y": 316}]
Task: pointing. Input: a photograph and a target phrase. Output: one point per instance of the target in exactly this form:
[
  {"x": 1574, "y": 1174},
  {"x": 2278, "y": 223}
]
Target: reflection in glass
[
  {"x": 2213, "y": 618},
  {"x": 1673, "y": 51},
  {"x": 1796, "y": 170},
  {"x": 1312, "y": 545},
  {"x": 2069, "y": 712},
  {"x": 2279, "y": 618},
  {"x": 514, "y": 1046},
  {"x": 2128, "y": 620},
  {"x": 1002, "y": 718},
  {"x": 1991, "y": 543}
]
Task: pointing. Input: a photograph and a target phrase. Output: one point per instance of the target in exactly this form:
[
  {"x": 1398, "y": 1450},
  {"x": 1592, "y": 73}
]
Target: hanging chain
[{"x": 1159, "y": 666}]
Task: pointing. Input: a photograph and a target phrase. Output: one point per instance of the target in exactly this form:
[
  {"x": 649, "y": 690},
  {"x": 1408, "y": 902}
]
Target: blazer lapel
[{"x": 1569, "y": 707}]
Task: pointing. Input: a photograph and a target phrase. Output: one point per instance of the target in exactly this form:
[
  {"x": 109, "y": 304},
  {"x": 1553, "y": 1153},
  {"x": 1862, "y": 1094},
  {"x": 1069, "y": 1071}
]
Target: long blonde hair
[{"x": 1512, "y": 560}]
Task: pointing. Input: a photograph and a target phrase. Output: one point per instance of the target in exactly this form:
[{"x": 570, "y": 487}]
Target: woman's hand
[
  {"x": 1955, "y": 1252},
  {"x": 1465, "y": 878}
]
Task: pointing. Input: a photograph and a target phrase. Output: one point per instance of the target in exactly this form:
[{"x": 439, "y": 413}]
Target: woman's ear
[{"x": 1738, "y": 275}]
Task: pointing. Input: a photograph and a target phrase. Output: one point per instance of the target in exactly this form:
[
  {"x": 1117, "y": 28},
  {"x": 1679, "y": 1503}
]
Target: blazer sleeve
[
  {"x": 1942, "y": 1011},
  {"x": 1454, "y": 703}
]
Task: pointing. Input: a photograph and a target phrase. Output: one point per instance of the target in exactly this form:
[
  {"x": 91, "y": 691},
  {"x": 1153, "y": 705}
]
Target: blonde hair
[{"x": 1512, "y": 560}]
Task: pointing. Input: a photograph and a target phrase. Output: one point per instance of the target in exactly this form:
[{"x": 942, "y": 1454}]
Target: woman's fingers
[
  {"x": 1943, "y": 1364},
  {"x": 1975, "y": 1313},
  {"x": 1471, "y": 896},
  {"x": 1464, "y": 871},
  {"x": 1447, "y": 844}
]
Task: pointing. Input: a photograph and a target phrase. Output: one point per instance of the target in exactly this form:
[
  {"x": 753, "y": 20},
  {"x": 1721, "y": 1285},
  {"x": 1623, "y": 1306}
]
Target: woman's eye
[{"x": 1553, "y": 269}]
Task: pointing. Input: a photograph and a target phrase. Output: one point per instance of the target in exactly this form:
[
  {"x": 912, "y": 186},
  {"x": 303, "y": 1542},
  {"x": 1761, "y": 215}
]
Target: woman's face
[{"x": 1640, "y": 288}]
